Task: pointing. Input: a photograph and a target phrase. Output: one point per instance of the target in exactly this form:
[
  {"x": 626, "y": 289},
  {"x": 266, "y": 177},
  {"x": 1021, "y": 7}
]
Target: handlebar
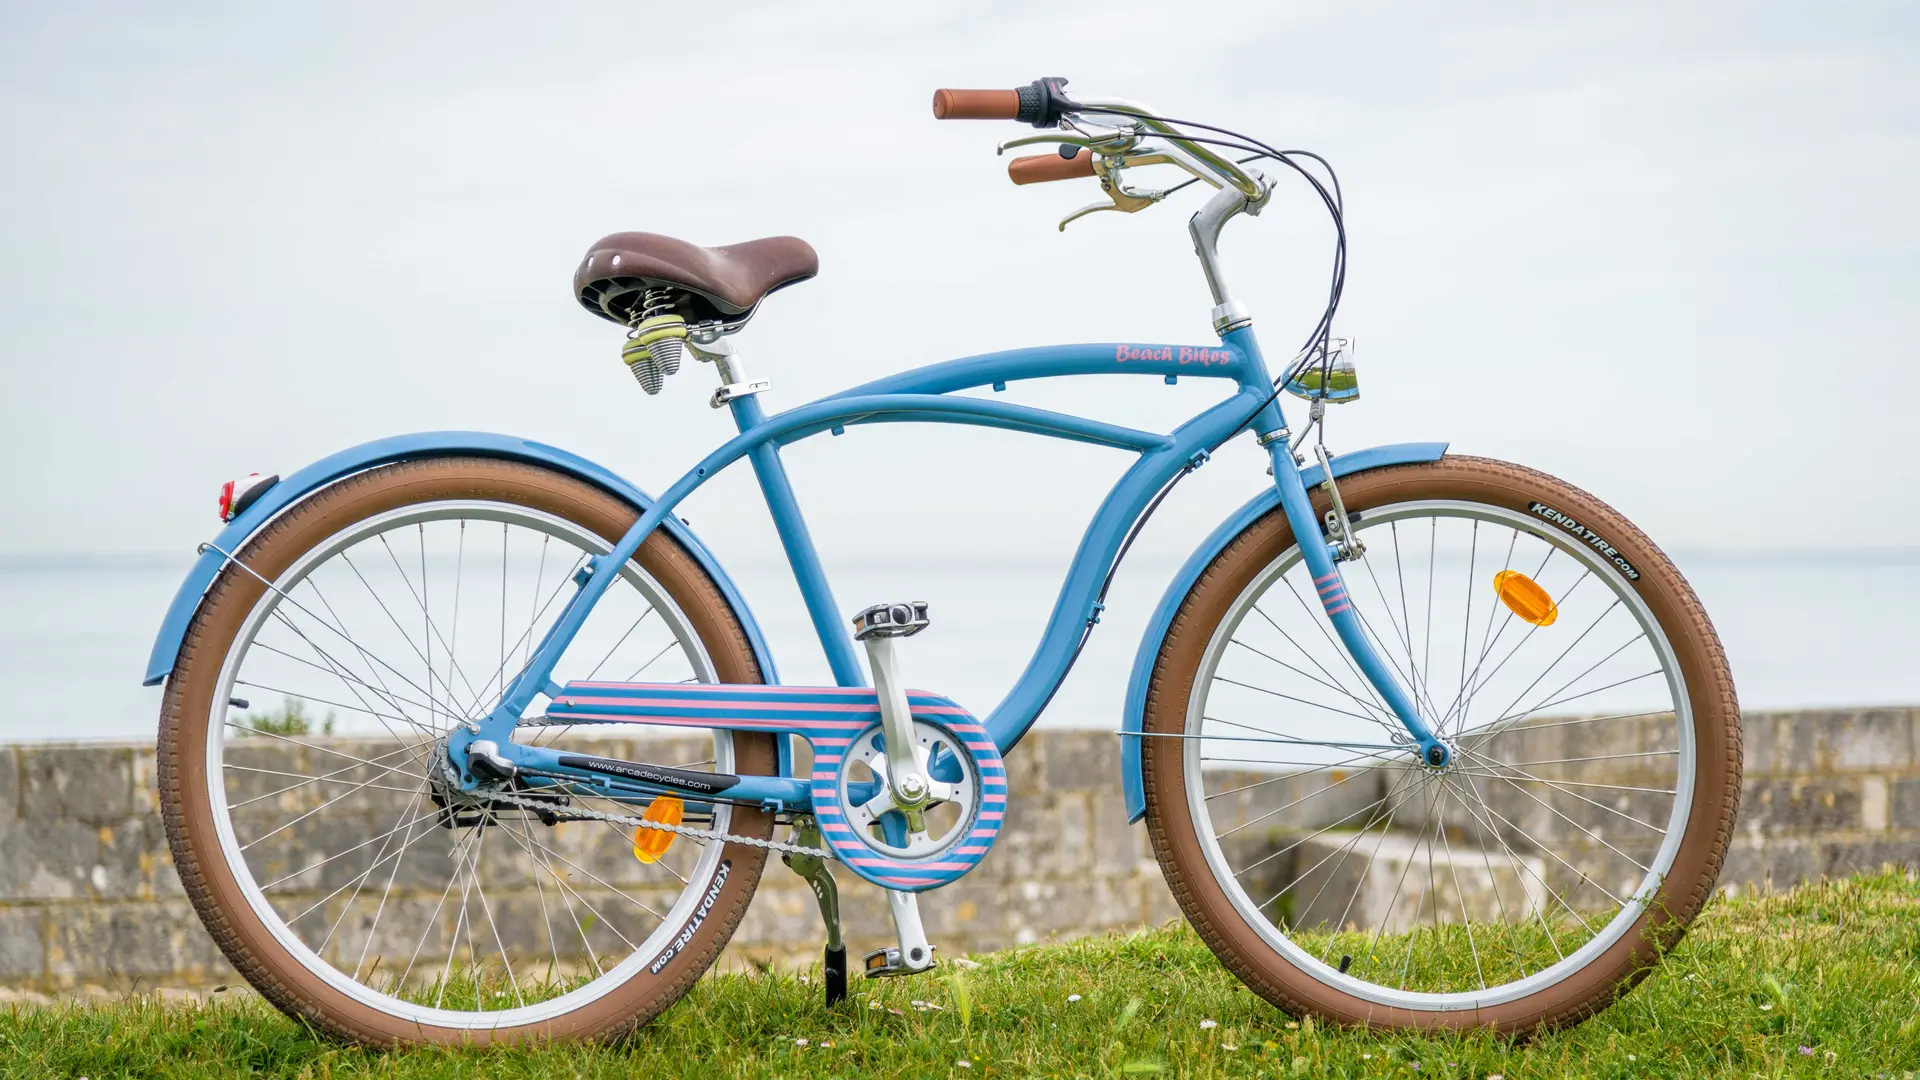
[
  {"x": 1040, "y": 168},
  {"x": 1044, "y": 104}
]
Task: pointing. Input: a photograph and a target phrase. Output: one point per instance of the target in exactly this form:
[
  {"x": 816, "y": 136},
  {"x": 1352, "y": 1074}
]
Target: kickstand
[{"x": 814, "y": 870}]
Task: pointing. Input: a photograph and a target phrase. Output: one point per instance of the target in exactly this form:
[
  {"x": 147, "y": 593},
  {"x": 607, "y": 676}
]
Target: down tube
[{"x": 1078, "y": 607}]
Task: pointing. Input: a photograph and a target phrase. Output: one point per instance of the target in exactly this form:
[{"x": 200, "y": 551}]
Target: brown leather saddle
[{"x": 709, "y": 284}]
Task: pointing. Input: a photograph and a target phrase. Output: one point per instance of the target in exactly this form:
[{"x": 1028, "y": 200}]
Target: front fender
[
  {"x": 173, "y": 629},
  {"x": 1134, "y": 715}
]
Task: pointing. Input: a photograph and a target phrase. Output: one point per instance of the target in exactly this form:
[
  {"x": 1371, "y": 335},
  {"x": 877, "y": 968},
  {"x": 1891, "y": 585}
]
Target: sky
[{"x": 1666, "y": 252}]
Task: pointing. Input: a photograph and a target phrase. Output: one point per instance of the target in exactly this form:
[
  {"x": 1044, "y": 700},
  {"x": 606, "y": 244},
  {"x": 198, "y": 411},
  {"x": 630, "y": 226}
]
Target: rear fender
[
  {"x": 173, "y": 628},
  {"x": 1133, "y": 719}
]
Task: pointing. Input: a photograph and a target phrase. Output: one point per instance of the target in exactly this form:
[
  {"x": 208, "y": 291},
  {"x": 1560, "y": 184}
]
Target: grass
[{"x": 1823, "y": 981}]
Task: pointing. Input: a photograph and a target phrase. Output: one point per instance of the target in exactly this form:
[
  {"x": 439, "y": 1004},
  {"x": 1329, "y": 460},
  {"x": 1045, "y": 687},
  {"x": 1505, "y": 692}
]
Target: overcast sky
[{"x": 1668, "y": 253}]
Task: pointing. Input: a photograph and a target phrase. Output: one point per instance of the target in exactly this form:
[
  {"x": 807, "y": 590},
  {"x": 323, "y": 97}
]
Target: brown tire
[
  {"x": 188, "y": 807},
  {"x": 1249, "y": 950}
]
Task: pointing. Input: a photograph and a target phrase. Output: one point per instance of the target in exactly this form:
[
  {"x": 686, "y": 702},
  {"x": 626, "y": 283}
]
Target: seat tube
[{"x": 828, "y": 625}]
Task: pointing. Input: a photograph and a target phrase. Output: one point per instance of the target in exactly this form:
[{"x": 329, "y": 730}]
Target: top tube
[{"x": 1224, "y": 361}]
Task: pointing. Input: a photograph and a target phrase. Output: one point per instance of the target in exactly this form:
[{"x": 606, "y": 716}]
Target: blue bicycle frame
[{"x": 923, "y": 395}]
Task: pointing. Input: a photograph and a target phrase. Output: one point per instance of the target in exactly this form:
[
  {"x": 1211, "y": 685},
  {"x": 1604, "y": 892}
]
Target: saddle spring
[{"x": 656, "y": 341}]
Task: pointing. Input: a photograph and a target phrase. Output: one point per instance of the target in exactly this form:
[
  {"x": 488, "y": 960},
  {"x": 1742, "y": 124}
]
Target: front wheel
[{"x": 1580, "y": 824}]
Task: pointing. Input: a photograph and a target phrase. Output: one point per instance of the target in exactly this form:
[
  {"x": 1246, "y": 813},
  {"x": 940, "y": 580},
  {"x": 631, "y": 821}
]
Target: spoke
[
  {"x": 1590, "y": 757},
  {"x": 1524, "y": 775},
  {"x": 499, "y": 673},
  {"x": 427, "y": 691},
  {"x": 505, "y": 961},
  {"x": 1564, "y": 653},
  {"x": 654, "y": 660},
  {"x": 1392, "y": 806},
  {"x": 1420, "y": 904},
  {"x": 1290, "y": 697},
  {"x": 333, "y": 668},
  {"x": 1318, "y": 618},
  {"x": 1433, "y": 544},
  {"x": 595, "y": 673},
  {"x": 1566, "y": 723},
  {"x": 1519, "y": 866},
  {"x": 1466, "y": 621},
  {"x": 568, "y": 894},
  {"x": 380, "y": 909},
  {"x": 1402, "y": 635},
  {"x": 1385, "y": 802},
  {"x": 323, "y": 701},
  {"x": 311, "y": 867},
  {"x": 533, "y": 616},
  {"x": 256, "y": 732},
  {"x": 328, "y": 779},
  {"x": 1547, "y": 850},
  {"x": 1589, "y": 832},
  {"x": 1270, "y": 737},
  {"x": 1387, "y": 911},
  {"x": 361, "y": 880},
  {"x": 1483, "y": 771},
  {"x": 458, "y": 855},
  {"x": 1473, "y": 689},
  {"x": 596, "y": 879},
  {"x": 1507, "y": 714},
  {"x": 431, "y": 631},
  {"x": 1590, "y": 693},
  {"x": 547, "y": 856},
  {"x": 1466, "y": 919},
  {"x": 1343, "y": 691},
  {"x": 1486, "y": 647},
  {"x": 287, "y": 825},
  {"x": 540, "y": 893}
]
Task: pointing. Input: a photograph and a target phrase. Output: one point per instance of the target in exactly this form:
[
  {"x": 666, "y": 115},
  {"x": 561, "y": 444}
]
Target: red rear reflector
[{"x": 237, "y": 495}]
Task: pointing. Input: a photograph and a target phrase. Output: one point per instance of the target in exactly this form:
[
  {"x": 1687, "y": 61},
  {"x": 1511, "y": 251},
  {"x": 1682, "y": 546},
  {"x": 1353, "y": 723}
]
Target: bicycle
[{"x": 1376, "y": 805}]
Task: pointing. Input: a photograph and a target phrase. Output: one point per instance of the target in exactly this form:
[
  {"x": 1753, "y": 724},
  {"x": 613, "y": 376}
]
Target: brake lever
[{"x": 1119, "y": 197}]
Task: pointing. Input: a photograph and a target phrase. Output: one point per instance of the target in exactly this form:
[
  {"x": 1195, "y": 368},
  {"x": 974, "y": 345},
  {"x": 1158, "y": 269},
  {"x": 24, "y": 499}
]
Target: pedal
[
  {"x": 891, "y": 620},
  {"x": 890, "y": 963}
]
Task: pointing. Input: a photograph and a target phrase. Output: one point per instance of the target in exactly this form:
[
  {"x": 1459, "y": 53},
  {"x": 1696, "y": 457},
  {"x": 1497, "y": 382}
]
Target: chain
[{"x": 546, "y": 806}]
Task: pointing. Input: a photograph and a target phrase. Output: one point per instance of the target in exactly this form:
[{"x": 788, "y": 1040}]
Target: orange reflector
[
  {"x": 1525, "y": 598},
  {"x": 650, "y": 844}
]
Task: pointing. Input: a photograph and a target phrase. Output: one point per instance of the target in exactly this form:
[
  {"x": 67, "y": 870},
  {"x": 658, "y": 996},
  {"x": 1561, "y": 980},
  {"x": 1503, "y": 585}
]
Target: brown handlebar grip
[
  {"x": 976, "y": 104},
  {"x": 1040, "y": 168}
]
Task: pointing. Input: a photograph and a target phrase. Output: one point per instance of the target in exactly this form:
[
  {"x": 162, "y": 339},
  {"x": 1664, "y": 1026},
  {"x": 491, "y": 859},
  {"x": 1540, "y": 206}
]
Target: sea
[{"x": 1803, "y": 630}]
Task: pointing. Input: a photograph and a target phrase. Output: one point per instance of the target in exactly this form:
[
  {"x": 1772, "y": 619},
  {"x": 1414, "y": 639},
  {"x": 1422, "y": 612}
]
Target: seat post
[{"x": 710, "y": 343}]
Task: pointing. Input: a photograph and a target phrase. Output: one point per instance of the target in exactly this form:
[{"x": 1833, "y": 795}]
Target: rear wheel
[
  {"x": 1580, "y": 825},
  {"x": 303, "y": 722}
]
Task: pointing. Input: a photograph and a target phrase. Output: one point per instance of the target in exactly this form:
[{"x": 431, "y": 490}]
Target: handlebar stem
[{"x": 1205, "y": 226}]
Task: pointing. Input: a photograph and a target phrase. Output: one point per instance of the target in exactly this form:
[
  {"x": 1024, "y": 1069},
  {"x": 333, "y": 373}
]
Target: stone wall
[{"x": 88, "y": 897}]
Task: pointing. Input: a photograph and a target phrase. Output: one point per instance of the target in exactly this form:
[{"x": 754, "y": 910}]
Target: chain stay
[{"x": 680, "y": 830}]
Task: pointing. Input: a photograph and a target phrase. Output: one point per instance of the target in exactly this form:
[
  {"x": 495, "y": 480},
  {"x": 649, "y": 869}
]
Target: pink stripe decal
[
  {"x": 725, "y": 688},
  {"x": 1342, "y": 607},
  {"x": 831, "y": 709},
  {"x": 717, "y": 721},
  {"x": 991, "y": 815}
]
